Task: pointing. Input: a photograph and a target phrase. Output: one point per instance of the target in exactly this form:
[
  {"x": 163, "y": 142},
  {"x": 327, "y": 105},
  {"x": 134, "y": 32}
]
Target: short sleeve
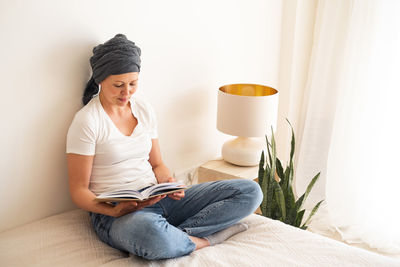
[
  {"x": 152, "y": 123},
  {"x": 81, "y": 138}
]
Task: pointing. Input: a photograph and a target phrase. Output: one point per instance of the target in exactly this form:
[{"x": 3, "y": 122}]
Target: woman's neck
[{"x": 113, "y": 109}]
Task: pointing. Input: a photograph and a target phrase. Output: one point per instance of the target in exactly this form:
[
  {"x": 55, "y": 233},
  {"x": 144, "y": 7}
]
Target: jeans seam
[
  {"x": 224, "y": 188},
  {"x": 203, "y": 216}
]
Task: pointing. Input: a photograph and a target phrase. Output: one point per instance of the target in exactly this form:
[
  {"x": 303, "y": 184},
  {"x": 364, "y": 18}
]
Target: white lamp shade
[{"x": 247, "y": 110}]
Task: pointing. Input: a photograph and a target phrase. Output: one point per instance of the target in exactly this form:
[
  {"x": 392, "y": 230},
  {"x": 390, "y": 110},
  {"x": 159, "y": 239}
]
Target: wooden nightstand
[{"x": 215, "y": 170}]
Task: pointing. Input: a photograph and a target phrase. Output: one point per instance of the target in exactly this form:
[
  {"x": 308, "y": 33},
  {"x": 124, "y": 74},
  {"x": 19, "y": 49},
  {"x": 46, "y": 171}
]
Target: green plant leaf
[
  {"x": 313, "y": 211},
  {"x": 290, "y": 200},
  {"x": 270, "y": 193},
  {"x": 299, "y": 218},
  {"x": 292, "y": 150},
  {"x": 293, "y": 143},
  {"x": 265, "y": 189},
  {"x": 273, "y": 148},
  {"x": 261, "y": 173},
  {"x": 261, "y": 169},
  {"x": 292, "y": 212},
  {"x": 273, "y": 154},
  {"x": 302, "y": 199},
  {"x": 279, "y": 171},
  {"x": 275, "y": 211},
  {"x": 267, "y": 168},
  {"x": 271, "y": 176},
  {"x": 290, "y": 175},
  {"x": 280, "y": 199},
  {"x": 286, "y": 174},
  {"x": 310, "y": 185},
  {"x": 299, "y": 203},
  {"x": 268, "y": 150}
]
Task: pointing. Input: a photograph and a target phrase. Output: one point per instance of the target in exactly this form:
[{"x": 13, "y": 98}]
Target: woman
[{"x": 112, "y": 144}]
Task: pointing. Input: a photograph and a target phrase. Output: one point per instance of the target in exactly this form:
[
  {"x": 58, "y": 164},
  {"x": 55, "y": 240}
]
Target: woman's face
[{"x": 118, "y": 89}]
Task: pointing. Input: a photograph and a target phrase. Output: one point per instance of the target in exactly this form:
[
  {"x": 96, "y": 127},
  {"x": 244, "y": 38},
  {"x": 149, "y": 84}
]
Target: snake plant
[{"x": 279, "y": 201}]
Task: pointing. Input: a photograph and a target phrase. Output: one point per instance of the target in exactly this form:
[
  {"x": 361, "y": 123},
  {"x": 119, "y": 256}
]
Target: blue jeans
[{"x": 162, "y": 230}]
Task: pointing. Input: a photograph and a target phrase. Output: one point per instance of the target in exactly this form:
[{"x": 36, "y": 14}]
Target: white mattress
[{"x": 68, "y": 240}]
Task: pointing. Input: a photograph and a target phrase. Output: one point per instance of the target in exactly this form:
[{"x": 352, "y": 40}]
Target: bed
[{"x": 67, "y": 239}]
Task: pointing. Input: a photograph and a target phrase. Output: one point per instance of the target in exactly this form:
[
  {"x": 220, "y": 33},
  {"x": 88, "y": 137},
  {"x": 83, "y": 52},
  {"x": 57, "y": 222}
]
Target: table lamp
[{"x": 247, "y": 111}]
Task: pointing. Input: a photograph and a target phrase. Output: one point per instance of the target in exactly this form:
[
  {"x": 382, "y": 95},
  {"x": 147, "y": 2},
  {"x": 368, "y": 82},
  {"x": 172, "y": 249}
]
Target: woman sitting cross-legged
[{"x": 112, "y": 144}]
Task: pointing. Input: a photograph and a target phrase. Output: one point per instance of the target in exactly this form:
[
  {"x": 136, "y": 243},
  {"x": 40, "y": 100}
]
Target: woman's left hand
[{"x": 176, "y": 195}]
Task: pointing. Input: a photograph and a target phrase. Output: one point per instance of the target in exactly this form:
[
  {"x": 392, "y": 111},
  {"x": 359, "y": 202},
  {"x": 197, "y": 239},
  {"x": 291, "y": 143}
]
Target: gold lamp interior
[{"x": 245, "y": 89}]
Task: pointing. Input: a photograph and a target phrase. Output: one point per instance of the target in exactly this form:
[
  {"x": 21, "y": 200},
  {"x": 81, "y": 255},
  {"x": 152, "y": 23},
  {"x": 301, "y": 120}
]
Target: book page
[
  {"x": 163, "y": 188},
  {"x": 150, "y": 192}
]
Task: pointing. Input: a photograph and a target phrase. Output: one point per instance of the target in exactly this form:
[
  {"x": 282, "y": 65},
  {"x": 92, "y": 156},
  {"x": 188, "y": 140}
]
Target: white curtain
[{"x": 347, "y": 116}]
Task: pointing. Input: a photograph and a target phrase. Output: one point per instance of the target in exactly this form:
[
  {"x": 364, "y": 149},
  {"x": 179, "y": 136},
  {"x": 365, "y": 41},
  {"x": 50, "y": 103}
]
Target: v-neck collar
[{"x": 134, "y": 113}]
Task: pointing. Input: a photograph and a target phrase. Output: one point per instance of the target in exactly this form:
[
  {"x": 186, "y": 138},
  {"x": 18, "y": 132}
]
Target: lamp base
[{"x": 243, "y": 151}]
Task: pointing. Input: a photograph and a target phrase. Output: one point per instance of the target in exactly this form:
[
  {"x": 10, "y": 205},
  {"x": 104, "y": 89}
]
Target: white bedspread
[{"x": 68, "y": 240}]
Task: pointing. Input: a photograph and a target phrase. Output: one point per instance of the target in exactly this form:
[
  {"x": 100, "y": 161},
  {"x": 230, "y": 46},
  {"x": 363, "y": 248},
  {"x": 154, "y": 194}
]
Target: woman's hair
[
  {"x": 116, "y": 56},
  {"x": 92, "y": 88}
]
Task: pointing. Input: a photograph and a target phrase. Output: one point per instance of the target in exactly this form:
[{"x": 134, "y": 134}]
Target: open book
[{"x": 149, "y": 192}]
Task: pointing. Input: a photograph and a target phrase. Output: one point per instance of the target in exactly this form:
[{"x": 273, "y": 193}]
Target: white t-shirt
[{"x": 119, "y": 161}]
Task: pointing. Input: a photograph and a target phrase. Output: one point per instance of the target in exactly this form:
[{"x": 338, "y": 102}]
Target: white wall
[{"x": 190, "y": 48}]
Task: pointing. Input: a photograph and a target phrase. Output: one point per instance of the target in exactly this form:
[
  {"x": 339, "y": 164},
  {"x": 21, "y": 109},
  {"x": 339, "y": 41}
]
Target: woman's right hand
[{"x": 126, "y": 207}]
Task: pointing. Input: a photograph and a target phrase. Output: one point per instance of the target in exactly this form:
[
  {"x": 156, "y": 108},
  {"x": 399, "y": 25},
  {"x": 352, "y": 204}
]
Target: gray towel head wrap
[{"x": 116, "y": 56}]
